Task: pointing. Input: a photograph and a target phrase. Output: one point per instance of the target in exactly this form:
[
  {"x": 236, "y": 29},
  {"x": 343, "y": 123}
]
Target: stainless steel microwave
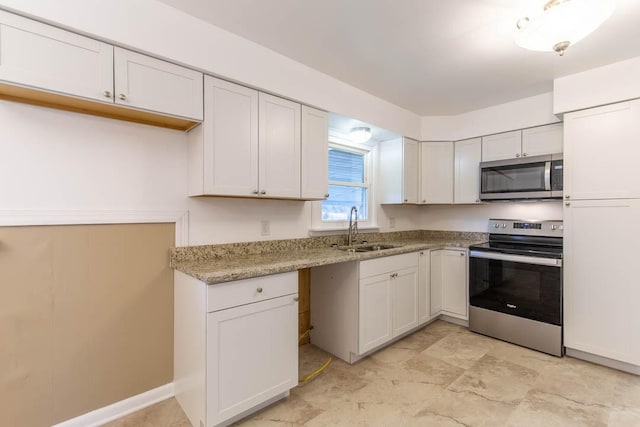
[{"x": 538, "y": 177}]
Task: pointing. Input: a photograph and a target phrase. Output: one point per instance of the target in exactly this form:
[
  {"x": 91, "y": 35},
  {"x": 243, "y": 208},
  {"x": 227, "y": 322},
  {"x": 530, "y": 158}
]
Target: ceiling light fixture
[
  {"x": 562, "y": 23},
  {"x": 360, "y": 134}
]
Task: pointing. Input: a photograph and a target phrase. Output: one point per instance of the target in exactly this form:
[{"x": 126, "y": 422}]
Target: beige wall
[{"x": 86, "y": 318}]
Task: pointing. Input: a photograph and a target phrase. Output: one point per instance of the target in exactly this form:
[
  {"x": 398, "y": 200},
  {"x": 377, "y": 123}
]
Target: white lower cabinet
[
  {"x": 357, "y": 307},
  {"x": 449, "y": 283},
  {"x": 601, "y": 291},
  {"x": 236, "y": 345},
  {"x": 424, "y": 287}
]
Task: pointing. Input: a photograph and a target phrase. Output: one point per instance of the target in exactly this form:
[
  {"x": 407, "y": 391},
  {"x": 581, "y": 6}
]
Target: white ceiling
[{"x": 432, "y": 57}]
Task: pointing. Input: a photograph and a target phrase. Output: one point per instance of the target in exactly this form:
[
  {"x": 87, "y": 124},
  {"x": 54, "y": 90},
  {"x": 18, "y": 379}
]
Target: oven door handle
[{"x": 551, "y": 262}]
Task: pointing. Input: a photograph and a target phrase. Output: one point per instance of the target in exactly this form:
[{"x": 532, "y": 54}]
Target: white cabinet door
[
  {"x": 601, "y": 291},
  {"x": 404, "y": 294},
  {"x": 252, "y": 356},
  {"x": 40, "y": 56},
  {"x": 542, "y": 140},
  {"x": 375, "y": 308},
  {"x": 436, "y": 172},
  {"x": 315, "y": 149},
  {"x": 454, "y": 283},
  {"x": 435, "y": 279},
  {"x": 424, "y": 287},
  {"x": 279, "y": 145},
  {"x": 151, "y": 84},
  {"x": 223, "y": 151},
  {"x": 601, "y": 152},
  {"x": 411, "y": 163},
  {"x": 507, "y": 145},
  {"x": 468, "y": 154}
]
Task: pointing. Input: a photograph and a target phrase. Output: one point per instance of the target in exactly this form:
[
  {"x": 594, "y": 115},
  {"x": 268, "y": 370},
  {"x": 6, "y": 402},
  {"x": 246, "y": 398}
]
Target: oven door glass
[
  {"x": 521, "y": 289},
  {"x": 527, "y": 177}
]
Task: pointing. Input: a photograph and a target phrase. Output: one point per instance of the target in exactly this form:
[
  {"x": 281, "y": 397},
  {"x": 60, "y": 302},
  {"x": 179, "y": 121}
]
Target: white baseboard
[
  {"x": 605, "y": 361},
  {"x": 120, "y": 409}
]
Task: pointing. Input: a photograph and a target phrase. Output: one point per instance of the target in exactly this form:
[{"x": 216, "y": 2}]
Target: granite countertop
[{"x": 235, "y": 264}]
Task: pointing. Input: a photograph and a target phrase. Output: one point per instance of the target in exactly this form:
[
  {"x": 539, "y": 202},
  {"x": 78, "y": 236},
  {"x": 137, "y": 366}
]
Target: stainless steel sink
[{"x": 367, "y": 248}]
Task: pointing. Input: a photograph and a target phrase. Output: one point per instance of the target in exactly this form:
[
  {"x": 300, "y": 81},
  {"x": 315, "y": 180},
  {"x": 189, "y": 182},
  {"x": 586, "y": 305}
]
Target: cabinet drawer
[
  {"x": 383, "y": 265},
  {"x": 247, "y": 291}
]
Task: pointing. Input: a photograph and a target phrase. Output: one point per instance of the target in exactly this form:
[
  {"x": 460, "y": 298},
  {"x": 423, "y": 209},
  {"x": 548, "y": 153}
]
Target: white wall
[
  {"x": 475, "y": 217},
  {"x": 55, "y": 160},
  {"x": 160, "y": 30},
  {"x": 527, "y": 112}
]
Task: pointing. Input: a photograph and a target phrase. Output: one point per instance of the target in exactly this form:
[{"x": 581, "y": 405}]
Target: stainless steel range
[{"x": 515, "y": 284}]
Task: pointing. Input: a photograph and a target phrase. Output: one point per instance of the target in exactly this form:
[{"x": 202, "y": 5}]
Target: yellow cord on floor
[{"x": 315, "y": 373}]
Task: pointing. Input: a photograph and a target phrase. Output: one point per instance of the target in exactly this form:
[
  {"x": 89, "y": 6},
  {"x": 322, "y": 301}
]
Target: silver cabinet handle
[
  {"x": 406, "y": 200},
  {"x": 107, "y": 94},
  {"x": 255, "y": 191},
  {"x": 263, "y": 192},
  {"x": 424, "y": 201},
  {"x": 326, "y": 196},
  {"x": 259, "y": 290},
  {"x": 393, "y": 275},
  {"x": 295, "y": 299},
  {"x": 524, "y": 154},
  {"x": 122, "y": 96},
  {"x": 461, "y": 253},
  {"x": 477, "y": 200},
  {"x": 567, "y": 197},
  {"x": 517, "y": 155},
  {"x": 567, "y": 204}
]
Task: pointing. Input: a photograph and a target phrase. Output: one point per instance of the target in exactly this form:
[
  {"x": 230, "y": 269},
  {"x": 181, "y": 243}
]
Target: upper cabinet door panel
[
  {"x": 542, "y": 140},
  {"x": 411, "y": 163},
  {"x": 468, "y": 154},
  {"x": 230, "y": 144},
  {"x": 507, "y": 145},
  {"x": 601, "y": 152},
  {"x": 44, "y": 57},
  {"x": 315, "y": 152},
  {"x": 436, "y": 172},
  {"x": 155, "y": 85},
  {"x": 279, "y": 142}
]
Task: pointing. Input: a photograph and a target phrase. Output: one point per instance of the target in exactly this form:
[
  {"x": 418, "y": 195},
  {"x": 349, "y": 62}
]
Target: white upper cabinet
[
  {"x": 151, "y": 84},
  {"x": 279, "y": 147},
  {"x": 315, "y": 152},
  {"x": 399, "y": 170},
  {"x": 223, "y": 152},
  {"x": 529, "y": 142},
  {"x": 542, "y": 140},
  {"x": 468, "y": 154},
  {"x": 44, "y": 57},
  {"x": 501, "y": 146},
  {"x": 436, "y": 172},
  {"x": 602, "y": 151}
]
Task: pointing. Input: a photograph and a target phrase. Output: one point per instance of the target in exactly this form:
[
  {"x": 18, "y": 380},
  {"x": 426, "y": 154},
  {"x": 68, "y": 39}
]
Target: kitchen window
[{"x": 348, "y": 184}]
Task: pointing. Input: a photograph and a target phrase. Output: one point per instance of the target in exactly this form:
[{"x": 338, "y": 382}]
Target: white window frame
[{"x": 318, "y": 225}]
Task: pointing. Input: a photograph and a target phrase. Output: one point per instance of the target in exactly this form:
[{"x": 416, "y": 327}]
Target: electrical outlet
[
  {"x": 265, "y": 227},
  {"x": 392, "y": 222}
]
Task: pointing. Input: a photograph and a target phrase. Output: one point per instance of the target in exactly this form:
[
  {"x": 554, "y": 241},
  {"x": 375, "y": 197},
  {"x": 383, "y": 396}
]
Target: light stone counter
[{"x": 223, "y": 263}]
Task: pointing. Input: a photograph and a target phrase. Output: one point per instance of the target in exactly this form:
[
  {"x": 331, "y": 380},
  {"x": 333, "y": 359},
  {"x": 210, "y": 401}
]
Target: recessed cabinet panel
[
  {"x": 601, "y": 291},
  {"x": 375, "y": 312},
  {"x": 411, "y": 164},
  {"x": 252, "y": 356},
  {"x": 151, "y": 84},
  {"x": 424, "y": 287},
  {"x": 315, "y": 146},
  {"x": 404, "y": 292},
  {"x": 436, "y": 172},
  {"x": 230, "y": 140},
  {"x": 435, "y": 279},
  {"x": 468, "y": 154},
  {"x": 602, "y": 151},
  {"x": 507, "y": 145},
  {"x": 454, "y": 283},
  {"x": 542, "y": 140},
  {"x": 279, "y": 155},
  {"x": 45, "y": 57}
]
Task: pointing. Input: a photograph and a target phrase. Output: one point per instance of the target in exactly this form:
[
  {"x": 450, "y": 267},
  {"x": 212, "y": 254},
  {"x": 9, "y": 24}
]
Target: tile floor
[{"x": 442, "y": 375}]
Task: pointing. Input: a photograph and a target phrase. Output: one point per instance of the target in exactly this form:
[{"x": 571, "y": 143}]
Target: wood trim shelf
[{"x": 58, "y": 101}]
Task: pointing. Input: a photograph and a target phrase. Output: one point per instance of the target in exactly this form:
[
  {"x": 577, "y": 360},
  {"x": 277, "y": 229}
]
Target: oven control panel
[{"x": 526, "y": 227}]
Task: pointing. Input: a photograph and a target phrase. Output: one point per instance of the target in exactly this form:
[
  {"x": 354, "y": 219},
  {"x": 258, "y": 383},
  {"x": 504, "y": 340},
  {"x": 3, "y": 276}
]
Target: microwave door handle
[{"x": 547, "y": 176}]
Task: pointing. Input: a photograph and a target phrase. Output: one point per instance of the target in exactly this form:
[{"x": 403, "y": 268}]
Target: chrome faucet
[{"x": 353, "y": 226}]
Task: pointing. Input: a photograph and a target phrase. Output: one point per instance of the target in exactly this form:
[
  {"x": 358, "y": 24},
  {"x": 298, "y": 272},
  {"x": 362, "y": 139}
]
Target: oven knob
[
  {"x": 554, "y": 227},
  {"x": 504, "y": 225},
  {"x": 562, "y": 227},
  {"x": 496, "y": 225}
]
